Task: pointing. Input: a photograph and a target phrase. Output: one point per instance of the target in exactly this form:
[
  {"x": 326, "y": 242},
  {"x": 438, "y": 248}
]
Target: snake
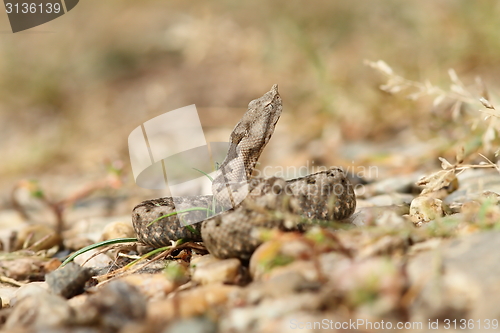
[{"x": 249, "y": 204}]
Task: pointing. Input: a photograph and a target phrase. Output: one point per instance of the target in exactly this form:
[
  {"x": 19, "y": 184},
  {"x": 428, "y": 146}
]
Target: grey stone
[
  {"x": 473, "y": 183},
  {"x": 460, "y": 279},
  {"x": 36, "y": 307},
  {"x": 69, "y": 280}
]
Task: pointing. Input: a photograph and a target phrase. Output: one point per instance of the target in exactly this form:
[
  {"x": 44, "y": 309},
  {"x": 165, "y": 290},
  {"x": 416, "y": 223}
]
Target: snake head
[
  {"x": 257, "y": 125},
  {"x": 263, "y": 113},
  {"x": 270, "y": 101}
]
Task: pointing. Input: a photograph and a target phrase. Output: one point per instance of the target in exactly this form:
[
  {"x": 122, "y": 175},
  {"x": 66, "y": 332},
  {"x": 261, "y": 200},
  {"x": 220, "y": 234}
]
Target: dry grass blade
[
  {"x": 106, "y": 249},
  {"x": 490, "y": 163},
  {"x": 436, "y": 181},
  {"x": 126, "y": 270},
  {"x": 13, "y": 282}
]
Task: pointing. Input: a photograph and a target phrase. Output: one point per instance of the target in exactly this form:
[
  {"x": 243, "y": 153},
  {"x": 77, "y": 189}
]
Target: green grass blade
[
  {"x": 95, "y": 246},
  {"x": 178, "y": 212},
  {"x": 206, "y": 174},
  {"x": 193, "y": 230},
  {"x": 149, "y": 254}
]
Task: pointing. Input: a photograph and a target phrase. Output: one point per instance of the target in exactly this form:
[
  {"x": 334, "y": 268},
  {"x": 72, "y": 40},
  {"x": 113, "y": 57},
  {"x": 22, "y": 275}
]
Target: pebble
[
  {"x": 491, "y": 196},
  {"x": 52, "y": 264},
  {"x": 10, "y": 222},
  {"x": 115, "y": 305},
  {"x": 219, "y": 271},
  {"x": 287, "y": 282},
  {"x": 458, "y": 280},
  {"x": 89, "y": 230},
  {"x": 385, "y": 245},
  {"x": 176, "y": 271},
  {"x": 77, "y": 242},
  {"x": 371, "y": 215},
  {"x": 78, "y": 300},
  {"x": 391, "y": 199},
  {"x": 424, "y": 209},
  {"x": 331, "y": 261},
  {"x": 375, "y": 284},
  {"x": 473, "y": 184},
  {"x": 390, "y": 219},
  {"x": 37, "y": 307},
  {"x": 361, "y": 203},
  {"x": 278, "y": 252},
  {"x": 69, "y": 280},
  {"x": 470, "y": 209},
  {"x": 23, "y": 268},
  {"x": 152, "y": 286},
  {"x": 308, "y": 271},
  {"x": 7, "y": 293},
  {"x": 37, "y": 237},
  {"x": 306, "y": 268},
  {"x": 424, "y": 246},
  {"x": 117, "y": 229},
  {"x": 190, "y": 303},
  {"x": 201, "y": 260},
  {"x": 252, "y": 318},
  {"x": 400, "y": 184},
  {"x": 29, "y": 289},
  {"x": 93, "y": 259}
]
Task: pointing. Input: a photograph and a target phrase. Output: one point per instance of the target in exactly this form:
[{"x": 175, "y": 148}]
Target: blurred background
[{"x": 73, "y": 89}]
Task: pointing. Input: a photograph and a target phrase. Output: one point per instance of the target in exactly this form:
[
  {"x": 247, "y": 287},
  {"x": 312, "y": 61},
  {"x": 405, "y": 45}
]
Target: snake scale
[{"x": 257, "y": 202}]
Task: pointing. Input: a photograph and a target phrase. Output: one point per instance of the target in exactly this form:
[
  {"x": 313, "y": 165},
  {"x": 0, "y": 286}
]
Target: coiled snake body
[{"x": 257, "y": 202}]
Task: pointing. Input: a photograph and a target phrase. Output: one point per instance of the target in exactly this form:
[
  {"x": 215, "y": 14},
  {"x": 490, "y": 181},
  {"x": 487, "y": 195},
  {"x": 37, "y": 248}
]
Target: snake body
[{"x": 254, "y": 202}]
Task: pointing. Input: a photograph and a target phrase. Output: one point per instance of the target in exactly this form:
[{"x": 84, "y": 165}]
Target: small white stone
[
  {"x": 220, "y": 271},
  {"x": 424, "y": 209}
]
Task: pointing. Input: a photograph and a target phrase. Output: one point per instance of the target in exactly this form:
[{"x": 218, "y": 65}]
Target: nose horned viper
[{"x": 255, "y": 202}]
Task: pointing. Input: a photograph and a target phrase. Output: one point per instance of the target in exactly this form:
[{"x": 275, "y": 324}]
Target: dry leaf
[
  {"x": 436, "y": 181},
  {"x": 486, "y": 103},
  {"x": 445, "y": 165}
]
